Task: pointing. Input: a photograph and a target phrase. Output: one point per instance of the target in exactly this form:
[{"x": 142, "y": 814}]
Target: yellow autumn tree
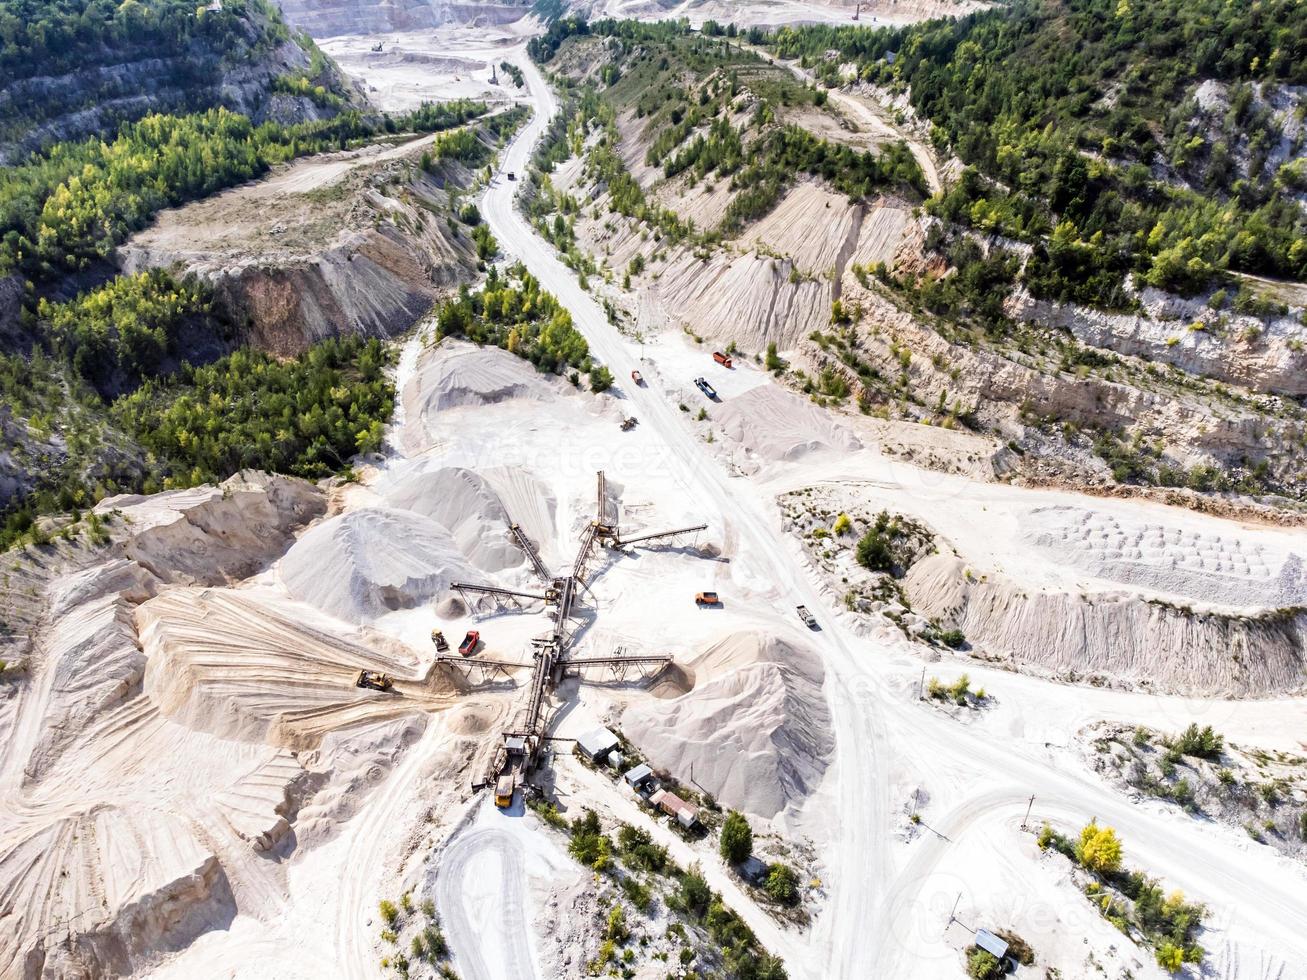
[{"x": 1099, "y": 849}]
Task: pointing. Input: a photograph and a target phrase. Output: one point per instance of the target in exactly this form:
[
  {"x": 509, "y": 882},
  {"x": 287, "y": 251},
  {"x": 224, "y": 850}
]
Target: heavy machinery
[
  {"x": 707, "y": 599},
  {"x": 723, "y": 359},
  {"x": 438, "y": 638},
  {"x": 374, "y": 680},
  {"x": 629, "y": 424},
  {"x": 504, "y": 791},
  {"x": 469, "y": 643},
  {"x": 809, "y": 620},
  {"x": 706, "y": 388}
]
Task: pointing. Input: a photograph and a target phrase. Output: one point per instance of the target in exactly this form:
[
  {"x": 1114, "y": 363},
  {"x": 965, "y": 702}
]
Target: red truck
[
  {"x": 723, "y": 359},
  {"x": 469, "y": 643}
]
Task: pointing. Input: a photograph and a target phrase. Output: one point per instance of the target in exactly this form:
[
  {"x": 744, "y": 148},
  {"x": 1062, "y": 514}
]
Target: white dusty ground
[{"x": 246, "y": 767}]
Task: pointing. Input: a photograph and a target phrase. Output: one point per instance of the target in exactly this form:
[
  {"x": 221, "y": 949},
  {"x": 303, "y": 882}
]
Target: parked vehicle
[
  {"x": 809, "y": 620},
  {"x": 706, "y": 388},
  {"x": 723, "y": 359},
  {"x": 512, "y": 176},
  {"x": 707, "y": 599},
  {"x": 469, "y": 643},
  {"x": 638, "y": 378},
  {"x": 438, "y": 638}
]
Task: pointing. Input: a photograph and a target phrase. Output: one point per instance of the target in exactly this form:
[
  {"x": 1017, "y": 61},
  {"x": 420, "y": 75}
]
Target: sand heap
[
  {"x": 455, "y": 374},
  {"x": 365, "y": 563},
  {"x": 115, "y": 820},
  {"x": 778, "y": 425},
  {"x": 465, "y": 505},
  {"x": 755, "y": 725},
  {"x": 1115, "y": 636},
  {"x": 147, "y": 866},
  {"x": 255, "y": 669}
]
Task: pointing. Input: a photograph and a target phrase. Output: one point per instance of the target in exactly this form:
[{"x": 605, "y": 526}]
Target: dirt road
[{"x": 485, "y": 915}]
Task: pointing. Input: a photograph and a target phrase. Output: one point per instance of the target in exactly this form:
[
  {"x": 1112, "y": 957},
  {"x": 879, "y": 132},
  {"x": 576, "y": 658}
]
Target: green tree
[
  {"x": 736, "y": 838},
  {"x": 782, "y": 884}
]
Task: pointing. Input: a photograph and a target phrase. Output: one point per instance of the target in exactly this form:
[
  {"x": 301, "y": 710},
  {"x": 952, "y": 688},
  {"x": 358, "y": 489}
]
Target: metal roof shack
[
  {"x": 672, "y": 805},
  {"x": 638, "y": 776},
  {"x": 597, "y": 744},
  {"x": 991, "y": 944}
]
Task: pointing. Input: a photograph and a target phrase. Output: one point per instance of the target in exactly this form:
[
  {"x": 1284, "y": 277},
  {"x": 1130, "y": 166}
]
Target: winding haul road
[{"x": 873, "y": 901}]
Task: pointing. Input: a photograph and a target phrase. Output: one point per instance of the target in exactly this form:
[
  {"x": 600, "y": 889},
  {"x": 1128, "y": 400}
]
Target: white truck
[{"x": 809, "y": 620}]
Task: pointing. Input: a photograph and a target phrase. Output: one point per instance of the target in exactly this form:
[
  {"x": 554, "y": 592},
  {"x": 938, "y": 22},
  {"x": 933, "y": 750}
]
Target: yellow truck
[{"x": 504, "y": 791}]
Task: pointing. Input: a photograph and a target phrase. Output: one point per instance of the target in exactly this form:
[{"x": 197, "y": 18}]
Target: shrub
[
  {"x": 953, "y": 639},
  {"x": 782, "y": 884},
  {"x": 601, "y": 379},
  {"x": 842, "y": 525},
  {"x": 1017, "y": 947},
  {"x": 434, "y": 940},
  {"x": 637, "y": 894},
  {"x": 639, "y": 851},
  {"x": 1200, "y": 743},
  {"x": 617, "y": 930},
  {"x": 874, "y": 552},
  {"x": 1170, "y": 957},
  {"x": 982, "y": 965},
  {"x": 1099, "y": 850},
  {"x": 694, "y": 895},
  {"x": 737, "y": 838},
  {"x": 388, "y": 911}
]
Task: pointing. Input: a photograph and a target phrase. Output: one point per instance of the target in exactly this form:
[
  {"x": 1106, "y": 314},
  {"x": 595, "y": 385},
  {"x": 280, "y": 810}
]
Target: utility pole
[
  {"x": 921, "y": 684},
  {"x": 1029, "y": 805}
]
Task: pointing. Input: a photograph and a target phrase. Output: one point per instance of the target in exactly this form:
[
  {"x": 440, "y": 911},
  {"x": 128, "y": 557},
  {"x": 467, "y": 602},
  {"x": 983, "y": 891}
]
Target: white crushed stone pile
[
  {"x": 465, "y": 505},
  {"x": 755, "y": 726},
  {"x": 455, "y": 374},
  {"x": 365, "y": 563},
  {"x": 778, "y": 425}
]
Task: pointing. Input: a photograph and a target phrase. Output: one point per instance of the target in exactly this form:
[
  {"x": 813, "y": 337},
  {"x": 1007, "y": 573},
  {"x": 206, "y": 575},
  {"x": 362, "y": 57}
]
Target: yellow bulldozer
[{"x": 374, "y": 680}]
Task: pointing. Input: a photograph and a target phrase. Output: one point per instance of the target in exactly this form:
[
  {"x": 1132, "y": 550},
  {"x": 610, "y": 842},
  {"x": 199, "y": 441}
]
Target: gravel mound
[
  {"x": 777, "y": 425},
  {"x": 366, "y": 563},
  {"x": 465, "y": 505},
  {"x": 754, "y": 726}
]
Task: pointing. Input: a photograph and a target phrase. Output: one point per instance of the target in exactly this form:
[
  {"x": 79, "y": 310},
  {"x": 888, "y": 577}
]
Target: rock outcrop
[
  {"x": 345, "y": 243},
  {"x": 1116, "y": 638}
]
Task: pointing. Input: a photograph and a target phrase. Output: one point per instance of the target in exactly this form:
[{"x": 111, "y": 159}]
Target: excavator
[{"x": 438, "y": 638}]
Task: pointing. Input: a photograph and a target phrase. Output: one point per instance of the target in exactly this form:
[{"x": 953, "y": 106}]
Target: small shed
[
  {"x": 515, "y": 744},
  {"x": 672, "y": 805},
  {"x": 596, "y": 745},
  {"x": 638, "y": 776},
  {"x": 616, "y": 760},
  {"x": 991, "y": 944}
]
